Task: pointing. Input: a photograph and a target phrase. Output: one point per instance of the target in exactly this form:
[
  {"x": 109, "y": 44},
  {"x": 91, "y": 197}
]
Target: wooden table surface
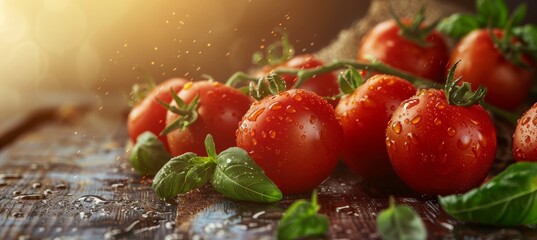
[{"x": 64, "y": 175}]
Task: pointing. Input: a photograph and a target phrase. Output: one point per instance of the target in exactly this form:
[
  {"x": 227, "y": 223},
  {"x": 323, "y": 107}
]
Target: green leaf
[
  {"x": 182, "y": 174},
  {"x": 458, "y": 25},
  {"x": 148, "y": 154},
  {"x": 400, "y": 222},
  {"x": 508, "y": 199},
  {"x": 301, "y": 220},
  {"x": 238, "y": 177},
  {"x": 493, "y": 13},
  {"x": 519, "y": 14},
  {"x": 528, "y": 35}
]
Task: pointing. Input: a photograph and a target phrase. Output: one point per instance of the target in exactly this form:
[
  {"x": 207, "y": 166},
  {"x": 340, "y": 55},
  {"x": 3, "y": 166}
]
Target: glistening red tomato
[
  {"x": 438, "y": 148},
  {"x": 294, "y": 136},
  {"x": 324, "y": 85},
  {"x": 364, "y": 115},
  {"x": 385, "y": 43},
  {"x": 482, "y": 64},
  {"x": 219, "y": 111},
  {"x": 525, "y": 137},
  {"x": 149, "y": 115}
]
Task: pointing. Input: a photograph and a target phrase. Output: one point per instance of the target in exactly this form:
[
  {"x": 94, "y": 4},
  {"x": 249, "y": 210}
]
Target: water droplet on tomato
[
  {"x": 464, "y": 142},
  {"x": 475, "y": 122},
  {"x": 407, "y": 121},
  {"x": 313, "y": 119},
  {"x": 264, "y": 134},
  {"x": 275, "y": 106},
  {"x": 303, "y": 137},
  {"x": 413, "y": 139},
  {"x": 290, "y": 109},
  {"x": 525, "y": 121},
  {"x": 481, "y": 140},
  {"x": 416, "y": 120},
  {"x": 437, "y": 122},
  {"x": 406, "y": 145},
  {"x": 440, "y": 106},
  {"x": 451, "y": 131},
  {"x": 253, "y": 116},
  {"x": 272, "y": 134},
  {"x": 254, "y": 141},
  {"x": 528, "y": 139},
  {"x": 288, "y": 120},
  {"x": 388, "y": 142},
  {"x": 411, "y": 103},
  {"x": 534, "y": 120},
  {"x": 297, "y": 97},
  {"x": 397, "y": 127},
  {"x": 519, "y": 154},
  {"x": 301, "y": 126},
  {"x": 252, "y": 133}
]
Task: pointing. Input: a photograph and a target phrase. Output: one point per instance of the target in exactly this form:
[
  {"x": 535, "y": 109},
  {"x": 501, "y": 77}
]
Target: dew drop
[
  {"x": 297, "y": 97},
  {"x": 411, "y": 103},
  {"x": 525, "y": 121},
  {"x": 275, "y": 106},
  {"x": 313, "y": 119},
  {"x": 451, "y": 131},
  {"x": 264, "y": 134},
  {"x": 437, "y": 122},
  {"x": 253, "y": 116},
  {"x": 254, "y": 141},
  {"x": 272, "y": 134},
  {"x": 519, "y": 154},
  {"x": 252, "y": 133},
  {"x": 397, "y": 127},
  {"x": 368, "y": 103},
  {"x": 464, "y": 142},
  {"x": 416, "y": 120},
  {"x": 440, "y": 106},
  {"x": 290, "y": 109},
  {"x": 413, "y": 139},
  {"x": 303, "y": 137},
  {"x": 528, "y": 139},
  {"x": 406, "y": 145}
]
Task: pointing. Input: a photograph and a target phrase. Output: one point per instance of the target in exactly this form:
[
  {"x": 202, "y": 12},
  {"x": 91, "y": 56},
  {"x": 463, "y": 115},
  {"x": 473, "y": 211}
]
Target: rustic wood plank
[{"x": 70, "y": 179}]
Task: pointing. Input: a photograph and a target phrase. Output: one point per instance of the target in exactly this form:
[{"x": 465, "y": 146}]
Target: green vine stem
[{"x": 375, "y": 66}]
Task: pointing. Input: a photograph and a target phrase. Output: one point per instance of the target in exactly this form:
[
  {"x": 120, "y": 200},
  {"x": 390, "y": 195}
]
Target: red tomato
[
  {"x": 324, "y": 85},
  {"x": 364, "y": 115},
  {"x": 525, "y": 137},
  {"x": 294, "y": 136},
  {"x": 482, "y": 64},
  {"x": 219, "y": 110},
  {"x": 386, "y": 44},
  {"x": 438, "y": 148},
  {"x": 149, "y": 115}
]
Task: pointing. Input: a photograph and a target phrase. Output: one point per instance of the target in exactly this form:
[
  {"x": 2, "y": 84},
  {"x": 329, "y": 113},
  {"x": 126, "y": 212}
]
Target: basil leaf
[
  {"x": 400, "y": 222},
  {"x": 238, "y": 177},
  {"x": 493, "y": 12},
  {"x": 301, "y": 220},
  {"x": 148, "y": 154},
  {"x": 182, "y": 174},
  {"x": 508, "y": 199},
  {"x": 458, "y": 25}
]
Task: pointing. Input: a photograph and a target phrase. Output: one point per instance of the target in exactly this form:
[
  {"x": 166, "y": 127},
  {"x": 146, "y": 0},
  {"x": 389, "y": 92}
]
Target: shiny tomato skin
[
  {"x": 364, "y": 115},
  {"x": 295, "y": 137},
  {"x": 437, "y": 148},
  {"x": 325, "y": 85},
  {"x": 482, "y": 64},
  {"x": 149, "y": 115},
  {"x": 219, "y": 111},
  {"x": 525, "y": 136},
  {"x": 384, "y": 43}
]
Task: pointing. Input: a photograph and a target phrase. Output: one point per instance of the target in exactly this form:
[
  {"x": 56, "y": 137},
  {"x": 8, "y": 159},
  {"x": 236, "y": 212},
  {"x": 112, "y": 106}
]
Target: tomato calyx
[
  {"x": 276, "y": 53},
  {"x": 462, "y": 94},
  {"x": 266, "y": 86},
  {"x": 349, "y": 80},
  {"x": 139, "y": 91},
  {"x": 188, "y": 113},
  {"x": 414, "y": 31}
]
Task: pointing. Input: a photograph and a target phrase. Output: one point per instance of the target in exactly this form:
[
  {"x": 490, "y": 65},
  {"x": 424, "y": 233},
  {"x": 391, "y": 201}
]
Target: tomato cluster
[{"x": 437, "y": 141}]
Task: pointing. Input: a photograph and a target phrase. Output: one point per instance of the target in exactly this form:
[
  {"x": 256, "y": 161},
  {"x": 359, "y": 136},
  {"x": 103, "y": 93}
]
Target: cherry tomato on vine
[
  {"x": 217, "y": 111},
  {"x": 364, "y": 115},
  {"x": 294, "y": 136},
  {"x": 483, "y": 64},
  {"x": 386, "y": 43},
  {"x": 149, "y": 115},
  {"x": 324, "y": 85},
  {"x": 525, "y": 136},
  {"x": 439, "y": 148}
]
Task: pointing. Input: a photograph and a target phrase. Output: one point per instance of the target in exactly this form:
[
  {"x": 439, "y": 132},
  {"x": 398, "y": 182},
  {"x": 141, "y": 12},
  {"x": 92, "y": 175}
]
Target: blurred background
[{"x": 57, "y": 51}]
